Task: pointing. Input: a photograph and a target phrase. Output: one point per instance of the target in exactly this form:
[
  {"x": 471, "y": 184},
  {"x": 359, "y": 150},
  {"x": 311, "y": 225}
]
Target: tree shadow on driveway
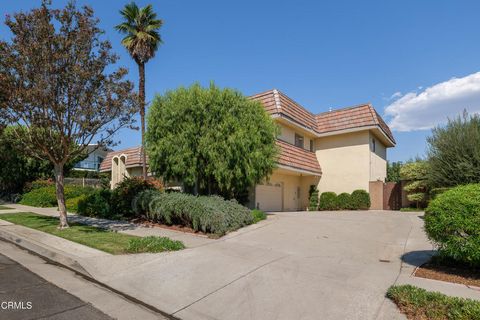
[{"x": 417, "y": 258}]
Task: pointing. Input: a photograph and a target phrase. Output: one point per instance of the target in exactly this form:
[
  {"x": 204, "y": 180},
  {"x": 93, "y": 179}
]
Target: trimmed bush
[
  {"x": 209, "y": 214},
  {"x": 313, "y": 199},
  {"x": 452, "y": 223},
  {"x": 344, "y": 201},
  {"x": 96, "y": 204},
  {"x": 258, "y": 215},
  {"x": 328, "y": 201},
  {"x": 124, "y": 194},
  {"x": 360, "y": 200}
]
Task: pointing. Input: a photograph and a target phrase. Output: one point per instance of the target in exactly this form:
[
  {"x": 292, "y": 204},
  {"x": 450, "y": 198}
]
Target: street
[{"x": 24, "y": 295}]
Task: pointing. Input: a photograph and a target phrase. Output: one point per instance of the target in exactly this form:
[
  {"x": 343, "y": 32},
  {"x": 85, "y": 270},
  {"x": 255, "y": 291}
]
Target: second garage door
[{"x": 269, "y": 197}]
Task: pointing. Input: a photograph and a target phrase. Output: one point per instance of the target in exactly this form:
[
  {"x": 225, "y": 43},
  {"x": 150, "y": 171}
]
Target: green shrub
[
  {"x": 437, "y": 191},
  {"x": 72, "y": 204},
  {"x": 360, "y": 200},
  {"x": 46, "y": 196},
  {"x": 258, "y": 215},
  {"x": 40, "y": 197},
  {"x": 344, "y": 201},
  {"x": 313, "y": 199},
  {"x": 37, "y": 184},
  {"x": 124, "y": 194},
  {"x": 210, "y": 214},
  {"x": 328, "y": 201},
  {"x": 96, "y": 204},
  {"x": 153, "y": 244},
  {"x": 452, "y": 223}
]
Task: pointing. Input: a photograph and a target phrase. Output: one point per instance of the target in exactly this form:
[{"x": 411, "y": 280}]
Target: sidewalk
[{"x": 190, "y": 240}]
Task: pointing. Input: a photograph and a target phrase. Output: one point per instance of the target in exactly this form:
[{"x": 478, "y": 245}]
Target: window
[
  {"x": 373, "y": 145},
  {"x": 299, "y": 141},
  {"x": 311, "y": 145}
]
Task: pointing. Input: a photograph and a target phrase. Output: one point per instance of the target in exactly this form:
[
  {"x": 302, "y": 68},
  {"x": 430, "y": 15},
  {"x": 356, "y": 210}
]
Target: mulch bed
[
  {"x": 449, "y": 272},
  {"x": 150, "y": 224}
]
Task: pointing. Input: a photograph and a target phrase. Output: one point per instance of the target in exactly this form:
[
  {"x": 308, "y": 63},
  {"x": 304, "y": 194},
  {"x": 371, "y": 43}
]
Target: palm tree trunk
[
  {"x": 60, "y": 192},
  {"x": 141, "y": 94}
]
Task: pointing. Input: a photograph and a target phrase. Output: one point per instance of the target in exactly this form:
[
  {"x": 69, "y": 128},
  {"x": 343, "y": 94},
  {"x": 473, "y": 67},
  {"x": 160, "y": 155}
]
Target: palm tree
[{"x": 142, "y": 39}]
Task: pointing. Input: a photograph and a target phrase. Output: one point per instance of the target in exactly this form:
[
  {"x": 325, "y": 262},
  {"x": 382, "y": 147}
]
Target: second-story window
[
  {"x": 373, "y": 145},
  {"x": 311, "y": 145},
  {"x": 299, "y": 141}
]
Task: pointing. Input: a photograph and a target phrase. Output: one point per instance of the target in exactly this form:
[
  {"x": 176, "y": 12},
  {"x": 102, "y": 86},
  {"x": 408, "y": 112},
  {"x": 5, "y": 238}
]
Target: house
[
  {"x": 123, "y": 163},
  {"x": 340, "y": 150},
  {"x": 95, "y": 157}
]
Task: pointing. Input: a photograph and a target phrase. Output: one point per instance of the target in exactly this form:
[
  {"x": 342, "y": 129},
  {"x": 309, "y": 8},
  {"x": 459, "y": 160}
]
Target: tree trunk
[
  {"x": 141, "y": 95},
  {"x": 59, "y": 186}
]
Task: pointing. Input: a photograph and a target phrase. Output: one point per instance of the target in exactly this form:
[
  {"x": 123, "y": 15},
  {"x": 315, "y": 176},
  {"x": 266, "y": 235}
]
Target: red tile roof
[
  {"x": 359, "y": 116},
  {"x": 297, "y": 158},
  {"x": 133, "y": 155}
]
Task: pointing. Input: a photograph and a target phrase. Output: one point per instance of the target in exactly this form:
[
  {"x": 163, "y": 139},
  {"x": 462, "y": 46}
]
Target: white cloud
[
  {"x": 396, "y": 95},
  {"x": 424, "y": 110}
]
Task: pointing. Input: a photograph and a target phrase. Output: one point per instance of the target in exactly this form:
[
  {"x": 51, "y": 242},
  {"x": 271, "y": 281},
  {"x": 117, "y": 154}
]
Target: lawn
[
  {"x": 420, "y": 304},
  {"x": 105, "y": 240},
  {"x": 4, "y": 208}
]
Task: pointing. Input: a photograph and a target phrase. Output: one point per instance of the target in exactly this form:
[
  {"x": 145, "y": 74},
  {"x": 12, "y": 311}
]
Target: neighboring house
[
  {"x": 341, "y": 150},
  {"x": 96, "y": 155},
  {"x": 123, "y": 163}
]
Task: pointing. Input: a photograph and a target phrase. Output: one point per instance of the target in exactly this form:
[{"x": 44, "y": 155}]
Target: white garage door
[{"x": 269, "y": 197}]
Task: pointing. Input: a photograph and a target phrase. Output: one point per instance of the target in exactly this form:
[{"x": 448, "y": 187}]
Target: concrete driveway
[{"x": 299, "y": 265}]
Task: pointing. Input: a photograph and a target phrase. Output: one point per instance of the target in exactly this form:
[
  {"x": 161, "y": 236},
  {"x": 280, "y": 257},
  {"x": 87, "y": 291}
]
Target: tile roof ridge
[
  {"x": 276, "y": 98},
  {"x": 345, "y": 108},
  {"x": 295, "y": 102}
]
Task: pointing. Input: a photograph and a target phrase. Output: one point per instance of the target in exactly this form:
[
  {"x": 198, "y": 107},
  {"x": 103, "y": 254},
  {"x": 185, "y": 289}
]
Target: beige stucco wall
[
  {"x": 294, "y": 188},
  {"x": 345, "y": 162},
  {"x": 378, "y": 160},
  {"x": 288, "y": 134}
]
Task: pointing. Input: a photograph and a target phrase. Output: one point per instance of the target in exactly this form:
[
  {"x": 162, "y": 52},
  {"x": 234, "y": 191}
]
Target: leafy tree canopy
[
  {"x": 58, "y": 86},
  {"x": 214, "y": 140},
  {"x": 393, "y": 171},
  {"x": 454, "y": 152}
]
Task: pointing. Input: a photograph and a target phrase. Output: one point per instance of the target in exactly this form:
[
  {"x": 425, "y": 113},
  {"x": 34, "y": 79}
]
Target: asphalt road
[{"x": 24, "y": 295}]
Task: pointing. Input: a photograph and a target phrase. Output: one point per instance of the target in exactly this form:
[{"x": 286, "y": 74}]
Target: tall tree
[
  {"x": 216, "y": 141},
  {"x": 57, "y": 89},
  {"x": 141, "y": 39},
  {"x": 393, "y": 171},
  {"x": 415, "y": 173},
  {"x": 454, "y": 152}
]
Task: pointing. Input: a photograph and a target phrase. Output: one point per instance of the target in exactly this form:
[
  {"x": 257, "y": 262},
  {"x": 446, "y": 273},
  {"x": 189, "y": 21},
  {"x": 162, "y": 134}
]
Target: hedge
[
  {"x": 360, "y": 200},
  {"x": 209, "y": 214},
  {"x": 452, "y": 223},
  {"x": 344, "y": 201},
  {"x": 328, "y": 201}
]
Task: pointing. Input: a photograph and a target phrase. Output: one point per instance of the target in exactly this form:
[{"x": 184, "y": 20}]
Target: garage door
[{"x": 269, "y": 197}]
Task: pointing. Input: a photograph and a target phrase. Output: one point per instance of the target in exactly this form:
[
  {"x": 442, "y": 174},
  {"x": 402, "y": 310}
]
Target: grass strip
[
  {"x": 101, "y": 239},
  {"x": 420, "y": 304}
]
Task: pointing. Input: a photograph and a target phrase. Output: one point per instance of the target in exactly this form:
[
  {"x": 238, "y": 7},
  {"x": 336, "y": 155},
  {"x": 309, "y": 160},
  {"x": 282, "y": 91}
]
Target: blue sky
[{"x": 399, "y": 55}]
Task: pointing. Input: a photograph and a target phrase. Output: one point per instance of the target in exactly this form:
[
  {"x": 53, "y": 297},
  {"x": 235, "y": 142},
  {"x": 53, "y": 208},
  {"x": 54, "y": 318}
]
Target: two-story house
[{"x": 341, "y": 150}]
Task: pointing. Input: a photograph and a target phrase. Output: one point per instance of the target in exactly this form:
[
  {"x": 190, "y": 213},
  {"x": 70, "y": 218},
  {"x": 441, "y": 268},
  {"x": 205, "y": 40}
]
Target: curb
[
  {"x": 63, "y": 259},
  {"x": 45, "y": 251}
]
